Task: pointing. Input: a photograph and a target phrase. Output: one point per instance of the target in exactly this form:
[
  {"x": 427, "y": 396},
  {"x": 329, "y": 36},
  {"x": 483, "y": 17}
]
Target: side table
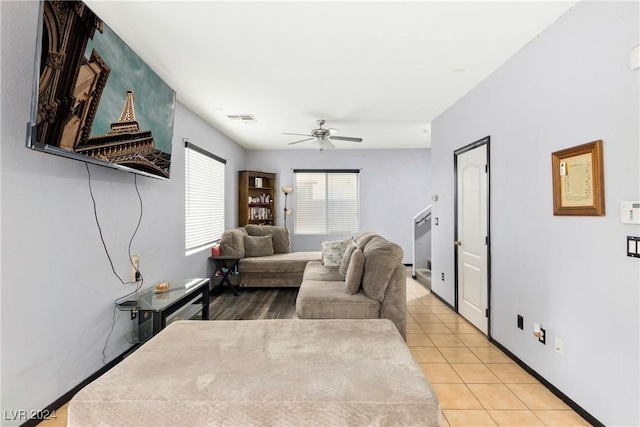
[
  {"x": 184, "y": 299},
  {"x": 226, "y": 265}
]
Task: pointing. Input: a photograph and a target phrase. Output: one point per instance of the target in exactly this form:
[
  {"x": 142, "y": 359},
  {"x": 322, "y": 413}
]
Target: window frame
[
  {"x": 327, "y": 197},
  {"x": 214, "y": 173}
]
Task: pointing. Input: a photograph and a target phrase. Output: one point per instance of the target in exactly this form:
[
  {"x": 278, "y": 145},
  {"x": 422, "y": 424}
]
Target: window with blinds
[
  {"x": 204, "y": 198},
  {"x": 326, "y": 201}
]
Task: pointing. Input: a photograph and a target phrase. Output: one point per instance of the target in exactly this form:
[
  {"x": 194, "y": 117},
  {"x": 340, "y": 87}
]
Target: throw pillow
[
  {"x": 332, "y": 251},
  {"x": 255, "y": 246},
  {"x": 363, "y": 238},
  {"x": 232, "y": 242},
  {"x": 354, "y": 272},
  {"x": 382, "y": 258},
  {"x": 279, "y": 235},
  {"x": 346, "y": 258}
]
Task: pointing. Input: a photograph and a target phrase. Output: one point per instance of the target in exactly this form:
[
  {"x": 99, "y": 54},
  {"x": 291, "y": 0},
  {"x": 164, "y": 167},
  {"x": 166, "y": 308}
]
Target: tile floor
[
  {"x": 60, "y": 419},
  {"x": 477, "y": 385}
]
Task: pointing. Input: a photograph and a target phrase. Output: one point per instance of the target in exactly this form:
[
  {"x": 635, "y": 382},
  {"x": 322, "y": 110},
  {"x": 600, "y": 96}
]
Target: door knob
[{"x": 458, "y": 242}]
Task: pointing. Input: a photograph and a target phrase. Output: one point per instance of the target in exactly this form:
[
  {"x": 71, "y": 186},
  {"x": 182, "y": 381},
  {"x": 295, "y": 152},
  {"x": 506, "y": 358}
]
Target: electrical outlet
[
  {"x": 559, "y": 346},
  {"x": 442, "y": 276},
  {"x": 520, "y": 322},
  {"x": 543, "y": 336},
  {"x": 135, "y": 267}
]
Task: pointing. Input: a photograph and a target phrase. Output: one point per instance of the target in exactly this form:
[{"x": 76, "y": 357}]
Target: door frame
[{"x": 484, "y": 141}]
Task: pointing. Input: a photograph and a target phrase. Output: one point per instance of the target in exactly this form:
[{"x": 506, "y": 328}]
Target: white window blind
[
  {"x": 204, "y": 198},
  {"x": 327, "y": 201}
]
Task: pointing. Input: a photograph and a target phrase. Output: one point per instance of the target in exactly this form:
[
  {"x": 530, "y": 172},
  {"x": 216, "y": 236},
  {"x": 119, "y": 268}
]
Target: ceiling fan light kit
[
  {"x": 323, "y": 143},
  {"x": 322, "y": 137}
]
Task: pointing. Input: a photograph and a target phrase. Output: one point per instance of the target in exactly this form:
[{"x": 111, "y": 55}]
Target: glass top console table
[{"x": 156, "y": 309}]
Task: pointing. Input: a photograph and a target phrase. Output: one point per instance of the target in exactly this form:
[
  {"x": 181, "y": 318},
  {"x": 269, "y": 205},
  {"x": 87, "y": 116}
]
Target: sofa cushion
[
  {"x": 320, "y": 299},
  {"x": 346, "y": 258},
  {"x": 381, "y": 257},
  {"x": 333, "y": 251},
  {"x": 316, "y": 271},
  {"x": 364, "y": 237},
  {"x": 280, "y": 236},
  {"x": 354, "y": 272},
  {"x": 258, "y": 246},
  {"x": 232, "y": 242},
  {"x": 294, "y": 262},
  {"x": 394, "y": 306},
  {"x": 270, "y": 280}
]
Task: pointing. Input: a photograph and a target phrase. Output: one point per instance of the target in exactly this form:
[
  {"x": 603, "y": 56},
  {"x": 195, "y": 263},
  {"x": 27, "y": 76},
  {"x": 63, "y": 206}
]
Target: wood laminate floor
[{"x": 253, "y": 303}]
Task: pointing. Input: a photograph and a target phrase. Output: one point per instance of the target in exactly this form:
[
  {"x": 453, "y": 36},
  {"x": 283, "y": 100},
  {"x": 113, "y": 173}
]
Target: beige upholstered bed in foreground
[{"x": 263, "y": 373}]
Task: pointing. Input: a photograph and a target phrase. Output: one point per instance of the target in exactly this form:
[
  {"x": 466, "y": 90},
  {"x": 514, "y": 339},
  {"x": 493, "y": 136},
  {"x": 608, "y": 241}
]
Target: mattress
[{"x": 263, "y": 373}]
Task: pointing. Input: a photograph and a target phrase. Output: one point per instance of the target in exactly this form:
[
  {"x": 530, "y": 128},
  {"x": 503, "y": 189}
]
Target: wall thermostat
[{"x": 630, "y": 212}]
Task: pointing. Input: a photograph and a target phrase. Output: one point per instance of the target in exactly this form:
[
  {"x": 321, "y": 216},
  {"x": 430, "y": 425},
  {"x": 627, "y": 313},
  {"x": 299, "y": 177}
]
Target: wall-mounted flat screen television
[{"x": 94, "y": 98}]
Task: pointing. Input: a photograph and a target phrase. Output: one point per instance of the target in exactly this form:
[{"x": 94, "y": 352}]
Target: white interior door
[{"x": 471, "y": 242}]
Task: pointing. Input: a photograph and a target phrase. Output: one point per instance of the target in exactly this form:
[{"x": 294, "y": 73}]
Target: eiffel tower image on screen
[{"x": 125, "y": 144}]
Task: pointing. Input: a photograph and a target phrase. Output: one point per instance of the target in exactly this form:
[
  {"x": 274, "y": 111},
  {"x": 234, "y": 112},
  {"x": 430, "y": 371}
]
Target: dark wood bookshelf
[{"x": 257, "y": 198}]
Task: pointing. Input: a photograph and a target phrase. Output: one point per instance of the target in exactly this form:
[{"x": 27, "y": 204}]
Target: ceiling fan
[{"x": 322, "y": 137}]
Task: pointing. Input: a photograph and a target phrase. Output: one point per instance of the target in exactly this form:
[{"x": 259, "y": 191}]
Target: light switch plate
[
  {"x": 634, "y": 58},
  {"x": 633, "y": 246}
]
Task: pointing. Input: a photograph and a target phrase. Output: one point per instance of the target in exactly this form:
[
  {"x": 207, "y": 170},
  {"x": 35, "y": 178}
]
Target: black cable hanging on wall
[{"x": 139, "y": 282}]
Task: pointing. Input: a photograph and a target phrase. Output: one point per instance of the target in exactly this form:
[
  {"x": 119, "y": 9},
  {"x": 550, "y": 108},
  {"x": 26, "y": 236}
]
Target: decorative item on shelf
[
  {"x": 287, "y": 212},
  {"x": 258, "y": 182},
  {"x": 263, "y": 198},
  {"x": 260, "y": 213},
  {"x": 163, "y": 287}
]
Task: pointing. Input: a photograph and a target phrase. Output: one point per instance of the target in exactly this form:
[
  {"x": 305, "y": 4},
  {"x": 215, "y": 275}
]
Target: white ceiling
[{"x": 379, "y": 70}]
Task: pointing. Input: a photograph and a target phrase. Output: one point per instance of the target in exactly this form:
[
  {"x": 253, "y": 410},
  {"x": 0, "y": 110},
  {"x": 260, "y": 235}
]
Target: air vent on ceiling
[{"x": 242, "y": 118}]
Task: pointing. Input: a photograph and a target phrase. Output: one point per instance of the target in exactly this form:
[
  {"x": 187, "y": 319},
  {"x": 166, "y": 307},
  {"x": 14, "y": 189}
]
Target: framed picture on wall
[{"x": 578, "y": 180}]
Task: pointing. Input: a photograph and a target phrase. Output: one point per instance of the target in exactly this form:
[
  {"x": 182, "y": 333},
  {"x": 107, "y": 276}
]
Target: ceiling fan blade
[
  {"x": 302, "y": 140},
  {"x": 345, "y": 138},
  {"x": 299, "y": 134}
]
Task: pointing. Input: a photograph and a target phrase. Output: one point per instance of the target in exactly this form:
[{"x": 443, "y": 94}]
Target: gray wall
[
  {"x": 569, "y": 86},
  {"x": 57, "y": 285},
  {"x": 394, "y": 186}
]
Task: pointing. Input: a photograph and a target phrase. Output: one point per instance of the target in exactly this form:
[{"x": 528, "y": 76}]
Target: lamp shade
[{"x": 287, "y": 190}]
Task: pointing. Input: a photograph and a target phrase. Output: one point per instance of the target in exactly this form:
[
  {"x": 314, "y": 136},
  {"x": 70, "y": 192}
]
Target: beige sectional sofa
[
  {"x": 263, "y": 265},
  {"x": 382, "y": 292},
  {"x": 376, "y": 288}
]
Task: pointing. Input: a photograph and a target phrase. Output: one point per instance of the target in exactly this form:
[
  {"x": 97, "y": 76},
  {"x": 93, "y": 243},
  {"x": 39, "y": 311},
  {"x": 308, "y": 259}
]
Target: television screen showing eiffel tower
[{"x": 97, "y": 99}]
